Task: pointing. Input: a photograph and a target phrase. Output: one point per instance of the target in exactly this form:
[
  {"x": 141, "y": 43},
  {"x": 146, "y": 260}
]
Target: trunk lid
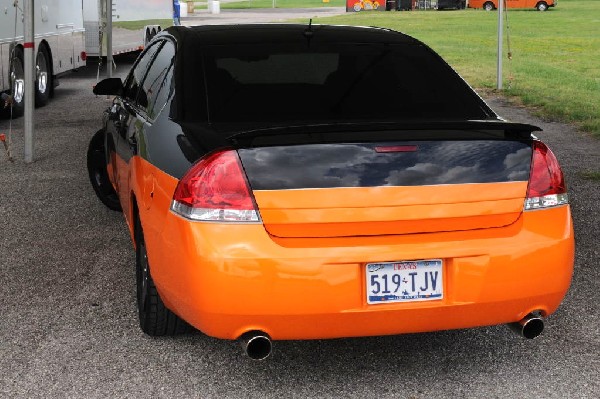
[{"x": 383, "y": 188}]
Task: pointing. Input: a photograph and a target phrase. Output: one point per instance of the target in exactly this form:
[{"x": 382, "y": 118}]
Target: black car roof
[{"x": 285, "y": 33}]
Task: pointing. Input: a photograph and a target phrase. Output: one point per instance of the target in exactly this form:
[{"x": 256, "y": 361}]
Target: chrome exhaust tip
[
  {"x": 257, "y": 345},
  {"x": 529, "y": 327}
]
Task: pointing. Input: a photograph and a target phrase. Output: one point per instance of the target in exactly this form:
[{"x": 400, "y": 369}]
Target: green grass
[
  {"x": 594, "y": 176},
  {"x": 555, "y": 63},
  {"x": 136, "y": 25},
  {"x": 282, "y": 4}
]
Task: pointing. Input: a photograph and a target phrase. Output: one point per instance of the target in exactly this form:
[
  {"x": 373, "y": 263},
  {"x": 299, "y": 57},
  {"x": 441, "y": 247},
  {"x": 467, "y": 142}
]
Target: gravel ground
[{"x": 68, "y": 323}]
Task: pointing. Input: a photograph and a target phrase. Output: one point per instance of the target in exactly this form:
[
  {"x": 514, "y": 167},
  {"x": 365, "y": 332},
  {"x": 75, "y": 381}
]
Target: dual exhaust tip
[
  {"x": 529, "y": 327},
  {"x": 258, "y": 345}
]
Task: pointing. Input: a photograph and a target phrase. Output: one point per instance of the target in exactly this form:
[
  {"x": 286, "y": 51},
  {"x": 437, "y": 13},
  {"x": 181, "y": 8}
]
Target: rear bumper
[{"x": 229, "y": 279}]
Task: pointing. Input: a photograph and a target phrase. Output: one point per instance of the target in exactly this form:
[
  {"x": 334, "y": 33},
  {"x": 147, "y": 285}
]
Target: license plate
[{"x": 404, "y": 281}]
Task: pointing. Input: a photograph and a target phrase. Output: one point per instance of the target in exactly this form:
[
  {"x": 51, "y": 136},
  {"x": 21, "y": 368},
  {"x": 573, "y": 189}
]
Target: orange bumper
[{"x": 229, "y": 279}]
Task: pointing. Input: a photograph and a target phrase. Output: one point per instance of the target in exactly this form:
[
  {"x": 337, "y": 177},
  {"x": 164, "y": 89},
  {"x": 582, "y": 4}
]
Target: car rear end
[
  {"x": 352, "y": 239},
  {"x": 386, "y": 214}
]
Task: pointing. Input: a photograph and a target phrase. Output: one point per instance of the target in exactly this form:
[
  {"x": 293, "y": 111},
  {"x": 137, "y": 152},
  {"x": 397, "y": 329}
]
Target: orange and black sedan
[{"x": 306, "y": 182}]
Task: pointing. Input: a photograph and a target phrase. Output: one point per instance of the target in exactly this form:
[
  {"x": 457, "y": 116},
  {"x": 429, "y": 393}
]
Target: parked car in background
[
  {"x": 449, "y": 4},
  {"x": 360, "y": 5},
  {"x": 308, "y": 182},
  {"x": 489, "y": 5}
]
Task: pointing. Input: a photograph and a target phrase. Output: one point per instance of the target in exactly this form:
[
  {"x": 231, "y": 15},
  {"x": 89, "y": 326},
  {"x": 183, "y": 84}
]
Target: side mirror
[{"x": 109, "y": 87}]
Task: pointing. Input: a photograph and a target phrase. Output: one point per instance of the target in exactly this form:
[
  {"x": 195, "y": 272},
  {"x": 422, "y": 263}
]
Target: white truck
[
  {"x": 95, "y": 22},
  {"x": 59, "y": 44}
]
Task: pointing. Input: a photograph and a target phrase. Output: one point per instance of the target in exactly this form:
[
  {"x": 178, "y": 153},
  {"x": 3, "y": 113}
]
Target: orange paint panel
[
  {"x": 371, "y": 228},
  {"x": 227, "y": 279},
  {"x": 400, "y": 212},
  {"x": 136, "y": 183},
  {"x": 121, "y": 170},
  {"x": 390, "y": 210},
  {"x": 153, "y": 191},
  {"x": 353, "y": 197},
  {"x": 110, "y": 171}
]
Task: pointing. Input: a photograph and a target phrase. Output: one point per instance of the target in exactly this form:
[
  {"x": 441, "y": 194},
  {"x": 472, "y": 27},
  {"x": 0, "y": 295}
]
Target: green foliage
[
  {"x": 137, "y": 25},
  {"x": 594, "y": 176},
  {"x": 283, "y": 4},
  {"x": 555, "y": 54}
]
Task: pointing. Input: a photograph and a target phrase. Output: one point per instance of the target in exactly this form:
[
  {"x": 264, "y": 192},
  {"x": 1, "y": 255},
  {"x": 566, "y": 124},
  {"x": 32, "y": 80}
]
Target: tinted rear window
[
  {"x": 258, "y": 83},
  {"x": 308, "y": 68}
]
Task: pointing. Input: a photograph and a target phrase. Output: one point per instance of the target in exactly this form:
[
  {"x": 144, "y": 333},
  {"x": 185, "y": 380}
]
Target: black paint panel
[
  {"x": 164, "y": 145},
  {"x": 360, "y": 165}
]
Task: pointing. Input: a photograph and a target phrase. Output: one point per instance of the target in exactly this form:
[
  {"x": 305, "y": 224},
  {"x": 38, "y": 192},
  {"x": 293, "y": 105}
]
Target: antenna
[{"x": 308, "y": 32}]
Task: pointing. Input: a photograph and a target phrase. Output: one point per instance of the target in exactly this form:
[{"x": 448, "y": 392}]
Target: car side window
[
  {"x": 156, "y": 87},
  {"x": 138, "y": 72}
]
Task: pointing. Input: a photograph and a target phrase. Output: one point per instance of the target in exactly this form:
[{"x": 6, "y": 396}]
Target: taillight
[
  {"x": 547, "y": 186},
  {"x": 215, "y": 189}
]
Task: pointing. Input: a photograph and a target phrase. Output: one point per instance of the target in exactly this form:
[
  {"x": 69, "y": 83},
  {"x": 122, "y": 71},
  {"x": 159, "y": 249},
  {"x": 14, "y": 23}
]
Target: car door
[
  {"x": 155, "y": 136},
  {"x": 123, "y": 117},
  {"x": 148, "y": 142}
]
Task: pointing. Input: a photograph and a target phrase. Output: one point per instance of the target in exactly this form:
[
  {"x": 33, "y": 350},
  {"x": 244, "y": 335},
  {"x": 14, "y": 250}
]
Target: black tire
[
  {"x": 155, "y": 319},
  {"x": 488, "y": 6},
  {"x": 17, "y": 82},
  {"x": 96, "y": 164},
  {"x": 541, "y": 6},
  {"x": 43, "y": 77}
]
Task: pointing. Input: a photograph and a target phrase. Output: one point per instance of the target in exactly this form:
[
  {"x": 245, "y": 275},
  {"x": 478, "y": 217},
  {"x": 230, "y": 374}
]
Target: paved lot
[{"x": 68, "y": 323}]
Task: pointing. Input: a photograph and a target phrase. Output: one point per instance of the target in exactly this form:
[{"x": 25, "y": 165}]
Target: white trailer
[
  {"x": 95, "y": 22},
  {"x": 59, "y": 45}
]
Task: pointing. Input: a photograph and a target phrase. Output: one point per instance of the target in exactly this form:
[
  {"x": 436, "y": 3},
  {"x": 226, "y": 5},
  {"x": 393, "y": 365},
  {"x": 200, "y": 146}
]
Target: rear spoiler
[{"x": 515, "y": 130}]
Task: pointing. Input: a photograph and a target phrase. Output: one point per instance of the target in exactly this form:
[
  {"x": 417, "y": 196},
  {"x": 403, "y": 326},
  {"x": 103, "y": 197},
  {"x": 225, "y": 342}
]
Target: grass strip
[
  {"x": 555, "y": 54},
  {"x": 137, "y": 25},
  {"x": 282, "y": 4},
  {"x": 594, "y": 176}
]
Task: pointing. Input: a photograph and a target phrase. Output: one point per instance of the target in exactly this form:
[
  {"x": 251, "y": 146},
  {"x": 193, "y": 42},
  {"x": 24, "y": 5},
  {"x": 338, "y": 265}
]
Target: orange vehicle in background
[
  {"x": 489, "y": 5},
  {"x": 360, "y": 5}
]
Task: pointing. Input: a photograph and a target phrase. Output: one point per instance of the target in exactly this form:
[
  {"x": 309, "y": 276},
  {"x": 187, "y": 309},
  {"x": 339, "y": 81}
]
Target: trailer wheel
[
  {"x": 43, "y": 77},
  {"x": 488, "y": 6},
  {"x": 16, "y": 79}
]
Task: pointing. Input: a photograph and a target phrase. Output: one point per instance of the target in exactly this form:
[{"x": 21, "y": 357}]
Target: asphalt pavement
[{"x": 68, "y": 321}]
